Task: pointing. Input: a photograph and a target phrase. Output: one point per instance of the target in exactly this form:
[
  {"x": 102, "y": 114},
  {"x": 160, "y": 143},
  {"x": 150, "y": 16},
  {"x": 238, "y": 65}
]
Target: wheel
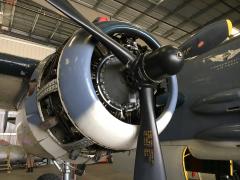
[{"x": 49, "y": 176}]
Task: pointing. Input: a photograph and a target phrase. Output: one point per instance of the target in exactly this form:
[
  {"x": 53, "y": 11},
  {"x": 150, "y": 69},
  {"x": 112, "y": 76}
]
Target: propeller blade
[
  {"x": 149, "y": 160},
  {"x": 66, "y": 8},
  {"x": 207, "y": 38}
]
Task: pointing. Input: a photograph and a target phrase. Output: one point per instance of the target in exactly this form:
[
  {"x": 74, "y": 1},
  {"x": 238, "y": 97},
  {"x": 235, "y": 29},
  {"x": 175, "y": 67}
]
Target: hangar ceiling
[{"x": 171, "y": 20}]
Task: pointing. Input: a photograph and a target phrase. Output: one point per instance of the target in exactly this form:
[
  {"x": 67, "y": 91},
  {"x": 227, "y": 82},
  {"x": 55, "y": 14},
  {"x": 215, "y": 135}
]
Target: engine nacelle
[{"x": 79, "y": 97}]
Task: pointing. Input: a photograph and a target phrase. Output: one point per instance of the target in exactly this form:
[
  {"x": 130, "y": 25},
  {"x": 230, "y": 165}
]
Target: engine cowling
[{"x": 79, "y": 97}]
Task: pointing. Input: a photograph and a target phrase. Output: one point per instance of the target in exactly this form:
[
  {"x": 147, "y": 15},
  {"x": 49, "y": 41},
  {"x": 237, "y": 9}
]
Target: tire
[{"x": 49, "y": 176}]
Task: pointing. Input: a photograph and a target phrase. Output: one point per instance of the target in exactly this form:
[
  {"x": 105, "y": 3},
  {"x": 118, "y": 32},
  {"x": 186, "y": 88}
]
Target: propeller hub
[{"x": 164, "y": 61}]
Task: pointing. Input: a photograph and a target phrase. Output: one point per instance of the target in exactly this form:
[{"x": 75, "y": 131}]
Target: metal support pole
[
  {"x": 67, "y": 171},
  {"x": 5, "y": 121},
  {"x": 57, "y": 165}
]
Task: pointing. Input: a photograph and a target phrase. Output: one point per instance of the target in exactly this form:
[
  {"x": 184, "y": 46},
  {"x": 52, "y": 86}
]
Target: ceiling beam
[
  {"x": 23, "y": 35},
  {"x": 150, "y": 8},
  {"x": 8, "y": 11},
  {"x": 222, "y": 16},
  {"x": 162, "y": 40},
  {"x": 230, "y": 6},
  {"x": 97, "y": 4},
  {"x": 198, "y": 13},
  {"x": 45, "y": 13},
  {"x": 178, "y": 8},
  {"x": 35, "y": 22},
  {"x": 165, "y": 22},
  {"x": 120, "y": 9},
  {"x": 55, "y": 30},
  {"x": 12, "y": 13}
]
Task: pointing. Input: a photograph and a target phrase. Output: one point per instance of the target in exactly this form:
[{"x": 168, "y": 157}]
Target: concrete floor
[{"x": 95, "y": 172}]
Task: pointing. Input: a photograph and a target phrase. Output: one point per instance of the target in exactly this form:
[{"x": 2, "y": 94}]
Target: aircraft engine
[{"x": 81, "y": 97}]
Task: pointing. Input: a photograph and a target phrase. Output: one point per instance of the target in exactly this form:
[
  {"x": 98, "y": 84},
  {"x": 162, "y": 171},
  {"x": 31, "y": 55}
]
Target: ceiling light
[
  {"x": 157, "y": 2},
  {"x": 8, "y": 134}
]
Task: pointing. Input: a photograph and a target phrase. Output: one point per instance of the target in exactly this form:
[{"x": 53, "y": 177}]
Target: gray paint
[{"x": 198, "y": 79}]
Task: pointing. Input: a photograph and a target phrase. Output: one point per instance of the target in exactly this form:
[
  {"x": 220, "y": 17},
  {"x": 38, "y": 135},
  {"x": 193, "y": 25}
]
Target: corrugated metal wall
[
  {"x": 10, "y": 129},
  {"x": 23, "y": 48}
]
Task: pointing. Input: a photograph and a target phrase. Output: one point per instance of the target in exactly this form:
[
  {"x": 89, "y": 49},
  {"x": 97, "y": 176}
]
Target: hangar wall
[
  {"x": 9, "y": 135},
  {"x": 23, "y": 48}
]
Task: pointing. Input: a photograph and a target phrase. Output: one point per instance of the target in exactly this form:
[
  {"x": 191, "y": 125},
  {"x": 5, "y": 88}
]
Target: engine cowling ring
[{"x": 80, "y": 101}]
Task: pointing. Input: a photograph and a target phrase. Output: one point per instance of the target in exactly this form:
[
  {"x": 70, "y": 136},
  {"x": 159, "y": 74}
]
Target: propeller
[
  {"x": 164, "y": 61},
  {"x": 167, "y": 60},
  {"x": 66, "y": 8},
  {"x": 207, "y": 38}
]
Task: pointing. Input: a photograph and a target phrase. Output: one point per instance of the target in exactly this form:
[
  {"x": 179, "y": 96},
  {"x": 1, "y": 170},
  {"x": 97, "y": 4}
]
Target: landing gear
[{"x": 67, "y": 171}]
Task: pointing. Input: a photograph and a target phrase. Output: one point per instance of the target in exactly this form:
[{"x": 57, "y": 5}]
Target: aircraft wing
[{"x": 14, "y": 76}]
